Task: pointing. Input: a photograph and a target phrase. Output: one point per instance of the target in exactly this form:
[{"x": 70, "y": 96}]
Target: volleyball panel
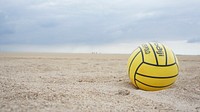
[
  {"x": 132, "y": 56},
  {"x": 159, "y": 51},
  {"x": 158, "y": 71},
  {"x": 170, "y": 56},
  {"x": 135, "y": 62},
  {"x": 148, "y": 54},
  {"x": 155, "y": 82},
  {"x": 148, "y": 88},
  {"x": 176, "y": 60}
]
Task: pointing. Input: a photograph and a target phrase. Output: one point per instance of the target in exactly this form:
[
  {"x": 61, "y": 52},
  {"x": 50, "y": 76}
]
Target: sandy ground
[{"x": 89, "y": 82}]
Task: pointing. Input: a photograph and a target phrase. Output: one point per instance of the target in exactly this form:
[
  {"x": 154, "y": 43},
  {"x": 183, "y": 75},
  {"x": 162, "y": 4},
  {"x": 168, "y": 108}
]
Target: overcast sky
[{"x": 106, "y": 26}]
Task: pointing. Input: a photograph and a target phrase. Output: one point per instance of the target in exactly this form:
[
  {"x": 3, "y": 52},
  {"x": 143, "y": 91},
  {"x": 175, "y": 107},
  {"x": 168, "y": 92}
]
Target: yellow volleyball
[{"x": 153, "y": 66}]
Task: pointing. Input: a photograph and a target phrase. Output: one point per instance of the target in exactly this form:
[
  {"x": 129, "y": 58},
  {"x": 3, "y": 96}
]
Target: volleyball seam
[
  {"x": 165, "y": 54},
  {"x": 154, "y": 86},
  {"x": 154, "y": 53},
  {"x": 132, "y": 62},
  {"x": 175, "y": 60},
  {"x": 159, "y": 65},
  {"x": 136, "y": 74},
  {"x": 166, "y": 77},
  {"x": 142, "y": 54},
  {"x": 138, "y": 67}
]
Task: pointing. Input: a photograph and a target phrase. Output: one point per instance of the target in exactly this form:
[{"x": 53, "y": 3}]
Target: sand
[{"x": 37, "y": 82}]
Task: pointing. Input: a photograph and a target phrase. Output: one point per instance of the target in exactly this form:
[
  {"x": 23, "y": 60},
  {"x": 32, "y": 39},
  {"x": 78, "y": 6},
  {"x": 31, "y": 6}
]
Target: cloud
[
  {"x": 89, "y": 22},
  {"x": 194, "y": 40},
  {"x": 5, "y": 28},
  {"x": 183, "y": 47},
  {"x": 48, "y": 24}
]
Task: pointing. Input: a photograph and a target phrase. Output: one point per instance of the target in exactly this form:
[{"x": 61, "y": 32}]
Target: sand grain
[{"x": 89, "y": 82}]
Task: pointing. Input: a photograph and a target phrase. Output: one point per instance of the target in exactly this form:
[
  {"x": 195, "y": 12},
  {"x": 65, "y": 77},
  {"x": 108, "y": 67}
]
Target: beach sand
[{"x": 37, "y": 82}]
